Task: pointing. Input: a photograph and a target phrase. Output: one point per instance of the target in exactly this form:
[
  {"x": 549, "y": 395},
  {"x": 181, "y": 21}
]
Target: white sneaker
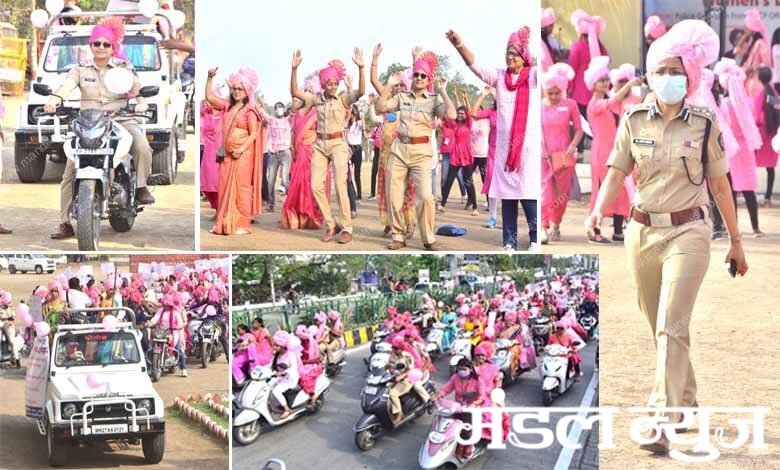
[
  {"x": 183, "y": 373},
  {"x": 509, "y": 248},
  {"x": 534, "y": 247}
]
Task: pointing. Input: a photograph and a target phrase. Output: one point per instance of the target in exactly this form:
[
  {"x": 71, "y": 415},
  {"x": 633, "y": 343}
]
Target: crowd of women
[
  {"x": 741, "y": 89},
  {"x": 171, "y": 300},
  {"x": 317, "y": 143},
  {"x": 505, "y": 315}
]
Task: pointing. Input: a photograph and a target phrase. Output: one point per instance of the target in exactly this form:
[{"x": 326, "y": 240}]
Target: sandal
[
  {"x": 410, "y": 231},
  {"x": 555, "y": 234}
]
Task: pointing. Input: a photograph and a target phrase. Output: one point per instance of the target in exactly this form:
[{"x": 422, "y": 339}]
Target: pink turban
[
  {"x": 654, "y": 27},
  {"x": 319, "y": 317},
  {"x": 111, "y": 29},
  {"x": 428, "y": 63},
  {"x": 406, "y": 78},
  {"x": 460, "y": 299},
  {"x": 312, "y": 84},
  {"x": 624, "y": 72},
  {"x": 703, "y": 97},
  {"x": 732, "y": 78},
  {"x": 753, "y": 23},
  {"x": 557, "y": 76},
  {"x": 560, "y": 324},
  {"x": 282, "y": 338},
  {"x": 597, "y": 69},
  {"x": 548, "y": 17},
  {"x": 519, "y": 42},
  {"x": 334, "y": 71},
  {"x": 168, "y": 300},
  {"x": 304, "y": 333},
  {"x": 691, "y": 40},
  {"x": 248, "y": 79},
  {"x": 593, "y": 26},
  {"x": 108, "y": 283},
  {"x": 53, "y": 284},
  {"x": 336, "y": 318},
  {"x": 486, "y": 349},
  {"x": 398, "y": 342},
  {"x": 510, "y": 316}
]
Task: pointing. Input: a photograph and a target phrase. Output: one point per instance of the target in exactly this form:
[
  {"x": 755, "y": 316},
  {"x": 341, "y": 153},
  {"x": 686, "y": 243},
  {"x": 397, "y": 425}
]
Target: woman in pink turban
[
  {"x": 240, "y": 174},
  {"x": 757, "y": 50},
  {"x": 559, "y": 116},
  {"x": 668, "y": 236},
  {"x": 548, "y": 55},
  {"x": 210, "y": 142},
  {"x": 583, "y": 51},
  {"x": 312, "y": 366},
  {"x": 654, "y": 29},
  {"x": 516, "y": 174},
  {"x": 738, "y": 110},
  {"x": 602, "y": 113}
]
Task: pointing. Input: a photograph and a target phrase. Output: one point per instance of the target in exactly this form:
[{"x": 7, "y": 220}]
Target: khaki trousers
[
  {"x": 331, "y": 151},
  {"x": 414, "y": 160},
  {"x": 142, "y": 156},
  {"x": 668, "y": 266},
  {"x": 400, "y": 389}
]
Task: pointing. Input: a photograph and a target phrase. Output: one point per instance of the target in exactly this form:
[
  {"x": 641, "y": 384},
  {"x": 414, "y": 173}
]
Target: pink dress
[
  {"x": 742, "y": 165},
  {"x": 243, "y": 357},
  {"x": 766, "y": 157},
  {"x": 579, "y": 59},
  {"x": 557, "y": 121},
  {"x": 265, "y": 352},
  {"x": 492, "y": 117},
  {"x": 604, "y": 127},
  {"x": 546, "y": 59},
  {"x": 311, "y": 371},
  {"x": 211, "y": 140},
  {"x": 461, "y": 152},
  {"x": 525, "y": 183}
]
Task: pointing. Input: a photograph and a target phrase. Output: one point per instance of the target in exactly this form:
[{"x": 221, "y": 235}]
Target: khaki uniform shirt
[
  {"x": 405, "y": 358},
  {"x": 332, "y": 112},
  {"x": 90, "y": 80},
  {"x": 662, "y": 152},
  {"x": 416, "y": 115}
]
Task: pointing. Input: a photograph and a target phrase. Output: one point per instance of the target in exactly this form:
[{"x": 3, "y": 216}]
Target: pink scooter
[{"x": 440, "y": 445}]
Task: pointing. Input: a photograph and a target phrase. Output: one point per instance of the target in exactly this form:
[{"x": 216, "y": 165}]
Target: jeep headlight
[
  {"x": 145, "y": 404},
  {"x": 68, "y": 410}
]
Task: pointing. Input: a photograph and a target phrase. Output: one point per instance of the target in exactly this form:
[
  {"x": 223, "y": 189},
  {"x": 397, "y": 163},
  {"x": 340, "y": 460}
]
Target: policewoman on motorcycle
[
  {"x": 676, "y": 148},
  {"x": 105, "y": 45}
]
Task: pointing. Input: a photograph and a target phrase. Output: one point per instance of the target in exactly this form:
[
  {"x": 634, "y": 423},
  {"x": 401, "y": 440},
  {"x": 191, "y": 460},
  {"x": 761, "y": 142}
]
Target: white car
[
  {"x": 29, "y": 263},
  {"x": 99, "y": 390},
  {"x": 65, "y": 48}
]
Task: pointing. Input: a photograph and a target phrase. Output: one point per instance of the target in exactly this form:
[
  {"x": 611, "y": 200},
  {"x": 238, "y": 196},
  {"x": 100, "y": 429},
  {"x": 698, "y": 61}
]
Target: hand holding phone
[{"x": 733, "y": 267}]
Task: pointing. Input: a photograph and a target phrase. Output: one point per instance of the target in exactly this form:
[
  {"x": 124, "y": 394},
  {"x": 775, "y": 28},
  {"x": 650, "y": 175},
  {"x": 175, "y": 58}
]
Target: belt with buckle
[
  {"x": 414, "y": 140},
  {"x": 667, "y": 219},
  {"x": 331, "y": 136}
]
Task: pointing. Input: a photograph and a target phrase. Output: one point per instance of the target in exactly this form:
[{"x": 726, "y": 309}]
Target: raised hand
[
  {"x": 297, "y": 59},
  {"x": 377, "y": 51},
  {"x": 348, "y": 81},
  {"x": 417, "y": 52},
  {"x": 358, "y": 58},
  {"x": 213, "y": 72},
  {"x": 454, "y": 38},
  {"x": 443, "y": 84}
]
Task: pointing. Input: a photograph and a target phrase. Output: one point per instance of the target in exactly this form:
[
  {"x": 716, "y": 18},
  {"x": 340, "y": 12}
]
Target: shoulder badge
[
  {"x": 637, "y": 108},
  {"x": 703, "y": 111}
]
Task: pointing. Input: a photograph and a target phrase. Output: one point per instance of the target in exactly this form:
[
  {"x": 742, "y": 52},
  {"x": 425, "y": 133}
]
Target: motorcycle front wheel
[
  {"x": 205, "y": 355},
  {"x": 248, "y": 433},
  {"x": 156, "y": 370},
  {"x": 88, "y": 216}
]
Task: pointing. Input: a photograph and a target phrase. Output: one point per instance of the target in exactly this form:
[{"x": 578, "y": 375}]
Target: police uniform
[
  {"x": 400, "y": 388},
  {"x": 331, "y": 147},
  {"x": 90, "y": 80},
  {"x": 668, "y": 236},
  {"x": 411, "y": 153}
]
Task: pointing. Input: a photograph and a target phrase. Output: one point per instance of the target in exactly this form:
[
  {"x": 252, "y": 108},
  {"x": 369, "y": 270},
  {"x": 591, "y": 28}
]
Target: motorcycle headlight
[
  {"x": 68, "y": 410},
  {"x": 92, "y": 133},
  {"x": 501, "y": 354},
  {"x": 207, "y": 328}
]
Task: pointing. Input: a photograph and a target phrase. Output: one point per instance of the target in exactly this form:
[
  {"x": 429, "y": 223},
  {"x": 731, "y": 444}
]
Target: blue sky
[{"x": 263, "y": 34}]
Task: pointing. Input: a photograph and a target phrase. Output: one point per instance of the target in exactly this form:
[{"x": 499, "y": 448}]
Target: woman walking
[
  {"x": 211, "y": 141},
  {"x": 491, "y": 116},
  {"x": 768, "y": 120}
]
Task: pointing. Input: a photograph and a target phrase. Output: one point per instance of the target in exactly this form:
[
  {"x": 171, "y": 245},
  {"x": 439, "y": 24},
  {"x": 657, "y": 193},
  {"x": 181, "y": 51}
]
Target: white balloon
[
  {"x": 148, "y": 7},
  {"x": 55, "y": 6},
  {"x": 119, "y": 80},
  {"x": 39, "y": 18}
]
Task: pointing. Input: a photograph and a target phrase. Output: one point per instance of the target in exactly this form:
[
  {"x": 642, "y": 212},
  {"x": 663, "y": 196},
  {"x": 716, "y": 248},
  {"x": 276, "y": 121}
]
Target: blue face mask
[
  {"x": 464, "y": 373},
  {"x": 670, "y": 89},
  {"x": 392, "y": 117}
]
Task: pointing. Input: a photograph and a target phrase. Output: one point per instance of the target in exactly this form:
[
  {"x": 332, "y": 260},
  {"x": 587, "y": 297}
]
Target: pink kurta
[
  {"x": 579, "y": 59},
  {"x": 492, "y": 118},
  {"x": 211, "y": 139},
  {"x": 525, "y": 183},
  {"x": 461, "y": 152},
  {"x": 557, "y": 120},
  {"x": 766, "y": 157},
  {"x": 604, "y": 127},
  {"x": 546, "y": 59},
  {"x": 742, "y": 165}
]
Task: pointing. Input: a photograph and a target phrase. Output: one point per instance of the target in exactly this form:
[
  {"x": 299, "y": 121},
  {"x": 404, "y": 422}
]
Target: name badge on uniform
[
  {"x": 87, "y": 79},
  {"x": 691, "y": 144},
  {"x": 645, "y": 142}
]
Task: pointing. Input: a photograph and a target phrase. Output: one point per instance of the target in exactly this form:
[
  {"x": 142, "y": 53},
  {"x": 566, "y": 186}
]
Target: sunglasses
[
  {"x": 236, "y": 88},
  {"x": 104, "y": 45},
  {"x": 512, "y": 53},
  {"x": 419, "y": 75}
]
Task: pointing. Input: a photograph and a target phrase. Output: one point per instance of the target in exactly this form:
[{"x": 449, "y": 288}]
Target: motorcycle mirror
[
  {"x": 148, "y": 91},
  {"x": 119, "y": 80},
  {"x": 42, "y": 89}
]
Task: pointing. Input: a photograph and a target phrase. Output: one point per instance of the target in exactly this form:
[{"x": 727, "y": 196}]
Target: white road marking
[{"x": 564, "y": 458}]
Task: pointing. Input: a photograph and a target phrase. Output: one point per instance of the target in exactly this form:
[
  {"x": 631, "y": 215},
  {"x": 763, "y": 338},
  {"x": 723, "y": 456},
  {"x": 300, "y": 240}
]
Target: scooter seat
[{"x": 290, "y": 395}]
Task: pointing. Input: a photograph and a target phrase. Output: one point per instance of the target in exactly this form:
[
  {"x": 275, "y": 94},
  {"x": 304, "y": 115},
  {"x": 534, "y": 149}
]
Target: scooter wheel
[
  {"x": 365, "y": 440},
  {"x": 547, "y": 398}
]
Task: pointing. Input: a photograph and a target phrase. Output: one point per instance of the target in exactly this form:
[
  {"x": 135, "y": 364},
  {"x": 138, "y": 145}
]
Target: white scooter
[
  {"x": 557, "y": 376},
  {"x": 461, "y": 347},
  {"x": 339, "y": 360},
  {"x": 439, "y": 447},
  {"x": 256, "y": 408},
  {"x": 433, "y": 342}
]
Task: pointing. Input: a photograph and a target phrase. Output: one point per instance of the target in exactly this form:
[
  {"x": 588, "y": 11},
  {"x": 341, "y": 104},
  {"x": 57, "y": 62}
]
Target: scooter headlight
[
  {"x": 68, "y": 410},
  {"x": 436, "y": 437}
]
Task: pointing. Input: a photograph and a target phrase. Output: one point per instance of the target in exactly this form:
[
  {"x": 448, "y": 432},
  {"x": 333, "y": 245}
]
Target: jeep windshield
[
  {"x": 67, "y": 52},
  {"x": 96, "y": 349}
]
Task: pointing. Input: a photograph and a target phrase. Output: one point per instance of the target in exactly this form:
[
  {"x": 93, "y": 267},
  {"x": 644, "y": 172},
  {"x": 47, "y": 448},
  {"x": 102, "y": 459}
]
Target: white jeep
[
  {"x": 66, "y": 47},
  {"x": 98, "y": 389},
  {"x": 34, "y": 262}
]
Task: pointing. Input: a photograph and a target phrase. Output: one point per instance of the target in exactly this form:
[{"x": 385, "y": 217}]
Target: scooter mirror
[
  {"x": 42, "y": 89},
  {"x": 148, "y": 91},
  {"x": 119, "y": 80}
]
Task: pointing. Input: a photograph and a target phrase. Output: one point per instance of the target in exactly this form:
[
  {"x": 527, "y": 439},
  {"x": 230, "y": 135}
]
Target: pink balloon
[
  {"x": 93, "y": 381},
  {"x": 110, "y": 321},
  {"x": 211, "y": 311},
  {"x": 42, "y": 328},
  {"x": 414, "y": 375},
  {"x": 22, "y": 309},
  {"x": 25, "y": 319},
  {"x": 7, "y": 298},
  {"x": 489, "y": 332}
]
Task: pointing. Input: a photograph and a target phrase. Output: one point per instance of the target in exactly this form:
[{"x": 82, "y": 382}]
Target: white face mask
[{"x": 670, "y": 89}]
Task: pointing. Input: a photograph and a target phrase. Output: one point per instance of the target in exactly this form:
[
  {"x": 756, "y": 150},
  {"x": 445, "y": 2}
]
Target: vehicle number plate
[
  {"x": 109, "y": 429},
  {"x": 371, "y": 390}
]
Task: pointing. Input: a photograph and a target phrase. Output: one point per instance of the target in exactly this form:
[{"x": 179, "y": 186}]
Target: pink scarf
[{"x": 520, "y": 119}]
